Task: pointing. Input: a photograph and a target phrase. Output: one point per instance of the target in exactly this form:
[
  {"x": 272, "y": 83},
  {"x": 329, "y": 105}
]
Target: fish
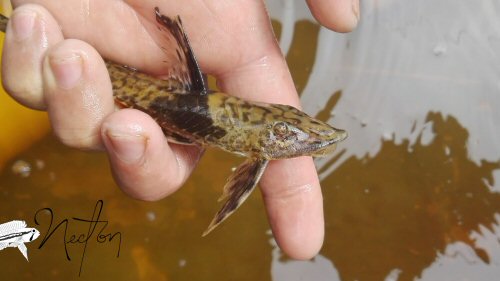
[
  {"x": 190, "y": 113},
  {"x": 15, "y": 233}
]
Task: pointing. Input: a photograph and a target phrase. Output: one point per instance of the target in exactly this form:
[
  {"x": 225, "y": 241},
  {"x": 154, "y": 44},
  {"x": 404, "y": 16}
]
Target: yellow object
[{"x": 20, "y": 126}]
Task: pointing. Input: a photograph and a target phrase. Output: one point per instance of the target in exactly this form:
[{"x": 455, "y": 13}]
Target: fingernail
[
  {"x": 67, "y": 69},
  {"x": 355, "y": 8},
  {"x": 129, "y": 147},
  {"x": 22, "y": 24}
]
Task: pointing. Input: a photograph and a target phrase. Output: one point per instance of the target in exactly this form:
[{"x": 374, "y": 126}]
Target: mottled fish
[{"x": 190, "y": 113}]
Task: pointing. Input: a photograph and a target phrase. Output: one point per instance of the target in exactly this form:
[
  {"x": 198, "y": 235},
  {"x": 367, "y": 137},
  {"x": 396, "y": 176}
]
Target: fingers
[
  {"x": 80, "y": 103},
  {"x": 144, "y": 165},
  {"x": 70, "y": 80},
  {"x": 30, "y": 33},
  {"x": 112, "y": 27},
  {"x": 337, "y": 15},
  {"x": 78, "y": 93},
  {"x": 294, "y": 203},
  {"x": 66, "y": 77}
]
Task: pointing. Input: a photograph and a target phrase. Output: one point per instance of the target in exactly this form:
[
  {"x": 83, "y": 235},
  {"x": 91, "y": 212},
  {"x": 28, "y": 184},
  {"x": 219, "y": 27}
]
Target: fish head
[
  {"x": 31, "y": 234},
  {"x": 292, "y": 133}
]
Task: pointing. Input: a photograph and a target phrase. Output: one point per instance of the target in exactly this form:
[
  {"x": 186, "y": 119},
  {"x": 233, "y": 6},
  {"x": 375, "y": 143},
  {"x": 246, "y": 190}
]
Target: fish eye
[{"x": 280, "y": 129}]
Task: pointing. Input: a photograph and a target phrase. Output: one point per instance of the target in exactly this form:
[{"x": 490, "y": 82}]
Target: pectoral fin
[
  {"x": 23, "y": 250},
  {"x": 237, "y": 189}
]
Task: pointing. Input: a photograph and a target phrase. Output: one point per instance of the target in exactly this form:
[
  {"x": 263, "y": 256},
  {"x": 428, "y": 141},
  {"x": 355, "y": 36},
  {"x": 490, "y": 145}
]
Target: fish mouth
[
  {"x": 340, "y": 135},
  {"x": 326, "y": 147},
  {"x": 318, "y": 147}
]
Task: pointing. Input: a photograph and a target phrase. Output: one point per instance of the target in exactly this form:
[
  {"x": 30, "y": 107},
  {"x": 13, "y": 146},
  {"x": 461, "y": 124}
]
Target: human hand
[{"x": 232, "y": 40}]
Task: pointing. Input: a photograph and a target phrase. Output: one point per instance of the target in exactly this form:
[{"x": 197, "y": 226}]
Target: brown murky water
[
  {"x": 406, "y": 204},
  {"x": 398, "y": 209}
]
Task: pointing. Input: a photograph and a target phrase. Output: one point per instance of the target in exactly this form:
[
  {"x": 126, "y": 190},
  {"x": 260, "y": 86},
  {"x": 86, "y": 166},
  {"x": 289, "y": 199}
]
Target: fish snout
[
  {"x": 34, "y": 234},
  {"x": 338, "y": 135},
  {"x": 326, "y": 141},
  {"x": 328, "y": 134}
]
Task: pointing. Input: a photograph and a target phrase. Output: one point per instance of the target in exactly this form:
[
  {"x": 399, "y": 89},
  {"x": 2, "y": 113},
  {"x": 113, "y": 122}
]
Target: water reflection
[
  {"x": 301, "y": 56},
  {"x": 418, "y": 174},
  {"x": 406, "y": 204}
]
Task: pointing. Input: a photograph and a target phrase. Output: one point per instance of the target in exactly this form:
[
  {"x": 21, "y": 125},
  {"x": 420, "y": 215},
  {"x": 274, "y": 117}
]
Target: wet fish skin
[
  {"x": 251, "y": 129},
  {"x": 189, "y": 113}
]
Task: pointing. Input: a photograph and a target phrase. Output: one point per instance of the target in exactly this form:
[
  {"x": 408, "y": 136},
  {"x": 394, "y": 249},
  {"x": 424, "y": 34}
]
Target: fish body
[
  {"x": 250, "y": 129},
  {"x": 190, "y": 113},
  {"x": 15, "y": 233}
]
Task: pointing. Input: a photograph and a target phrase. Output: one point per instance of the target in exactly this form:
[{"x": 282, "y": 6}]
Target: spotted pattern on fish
[{"x": 189, "y": 113}]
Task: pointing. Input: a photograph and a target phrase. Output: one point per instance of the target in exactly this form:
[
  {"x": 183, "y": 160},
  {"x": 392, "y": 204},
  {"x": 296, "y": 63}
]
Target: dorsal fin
[
  {"x": 184, "y": 68},
  {"x": 11, "y": 226}
]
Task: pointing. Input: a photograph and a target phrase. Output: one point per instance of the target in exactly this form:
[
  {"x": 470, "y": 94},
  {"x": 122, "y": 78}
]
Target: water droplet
[
  {"x": 151, "y": 216},
  {"x": 447, "y": 150},
  {"x": 21, "y": 168},
  {"x": 40, "y": 164}
]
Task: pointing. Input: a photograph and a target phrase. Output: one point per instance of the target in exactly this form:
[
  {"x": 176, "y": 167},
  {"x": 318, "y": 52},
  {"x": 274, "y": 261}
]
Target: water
[{"x": 412, "y": 194}]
